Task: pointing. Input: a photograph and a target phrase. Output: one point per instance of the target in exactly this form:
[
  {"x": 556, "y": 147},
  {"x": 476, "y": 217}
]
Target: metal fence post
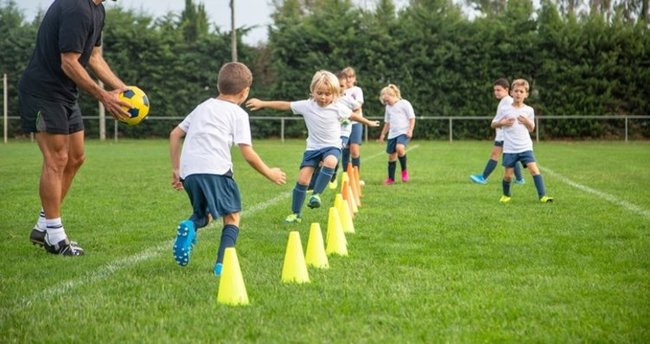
[{"x": 451, "y": 129}]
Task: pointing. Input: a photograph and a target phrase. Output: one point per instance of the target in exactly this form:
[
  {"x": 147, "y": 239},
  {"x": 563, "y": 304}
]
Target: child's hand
[
  {"x": 373, "y": 124},
  {"x": 522, "y": 119},
  {"x": 176, "y": 181},
  {"x": 254, "y": 104},
  {"x": 507, "y": 122},
  {"x": 278, "y": 176}
]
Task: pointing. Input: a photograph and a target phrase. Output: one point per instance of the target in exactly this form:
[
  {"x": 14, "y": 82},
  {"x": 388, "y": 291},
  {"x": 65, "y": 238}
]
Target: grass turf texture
[{"x": 435, "y": 260}]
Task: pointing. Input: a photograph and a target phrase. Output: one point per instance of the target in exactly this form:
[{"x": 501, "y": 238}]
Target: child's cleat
[
  {"x": 314, "y": 202},
  {"x": 331, "y": 185},
  {"x": 505, "y": 199},
  {"x": 389, "y": 181},
  {"x": 293, "y": 218},
  {"x": 405, "y": 176},
  {"x": 64, "y": 248},
  {"x": 521, "y": 181},
  {"x": 185, "y": 239},
  {"x": 217, "y": 269},
  {"x": 478, "y": 179},
  {"x": 546, "y": 199}
]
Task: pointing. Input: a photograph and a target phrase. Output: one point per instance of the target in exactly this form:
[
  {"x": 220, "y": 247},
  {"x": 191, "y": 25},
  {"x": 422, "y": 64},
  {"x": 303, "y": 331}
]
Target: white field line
[
  {"x": 613, "y": 199},
  {"x": 110, "y": 268}
]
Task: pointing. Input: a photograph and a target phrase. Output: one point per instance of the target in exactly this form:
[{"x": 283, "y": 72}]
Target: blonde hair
[
  {"x": 391, "y": 90},
  {"x": 520, "y": 82},
  {"x": 327, "y": 79},
  {"x": 349, "y": 71}
]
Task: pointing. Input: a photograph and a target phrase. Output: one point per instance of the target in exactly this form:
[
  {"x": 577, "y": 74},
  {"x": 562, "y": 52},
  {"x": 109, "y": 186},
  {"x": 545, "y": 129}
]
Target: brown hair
[
  {"x": 233, "y": 78},
  {"x": 503, "y": 82}
]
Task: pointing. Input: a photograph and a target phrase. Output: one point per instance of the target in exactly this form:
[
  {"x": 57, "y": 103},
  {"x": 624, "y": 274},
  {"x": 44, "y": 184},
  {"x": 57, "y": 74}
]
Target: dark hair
[
  {"x": 503, "y": 82},
  {"x": 233, "y": 78}
]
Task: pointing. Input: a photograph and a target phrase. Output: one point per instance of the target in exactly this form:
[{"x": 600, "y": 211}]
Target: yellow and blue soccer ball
[{"x": 139, "y": 104}]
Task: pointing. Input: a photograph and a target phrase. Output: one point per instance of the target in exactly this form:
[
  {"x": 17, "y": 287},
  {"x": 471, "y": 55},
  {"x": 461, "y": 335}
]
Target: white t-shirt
[
  {"x": 357, "y": 94},
  {"x": 346, "y": 125},
  {"x": 504, "y": 102},
  {"x": 516, "y": 139},
  {"x": 211, "y": 130},
  {"x": 323, "y": 123},
  {"x": 397, "y": 116}
]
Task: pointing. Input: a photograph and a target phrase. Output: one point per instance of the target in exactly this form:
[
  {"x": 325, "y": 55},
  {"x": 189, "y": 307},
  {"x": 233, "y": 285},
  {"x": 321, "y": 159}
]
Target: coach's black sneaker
[
  {"x": 37, "y": 237},
  {"x": 64, "y": 247}
]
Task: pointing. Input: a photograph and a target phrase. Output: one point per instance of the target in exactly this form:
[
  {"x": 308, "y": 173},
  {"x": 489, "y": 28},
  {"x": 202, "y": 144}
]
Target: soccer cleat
[
  {"x": 362, "y": 183},
  {"x": 217, "y": 269},
  {"x": 185, "y": 239},
  {"x": 37, "y": 237},
  {"x": 521, "y": 181},
  {"x": 64, "y": 248},
  {"x": 405, "y": 176},
  {"x": 546, "y": 199},
  {"x": 478, "y": 179},
  {"x": 389, "y": 181},
  {"x": 314, "y": 202},
  {"x": 293, "y": 218},
  {"x": 505, "y": 199}
]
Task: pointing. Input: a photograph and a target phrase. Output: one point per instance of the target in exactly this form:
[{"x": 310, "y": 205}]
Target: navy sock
[
  {"x": 299, "y": 194},
  {"x": 539, "y": 185},
  {"x": 229, "y": 236},
  {"x": 322, "y": 179},
  {"x": 356, "y": 162},
  {"x": 312, "y": 181},
  {"x": 506, "y": 188},
  {"x": 391, "y": 169},
  {"x": 489, "y": 167},
  {"x": 334, "y": 173},
  {"x": 345, "y": 158},
  {"x": 402, "y": 162},
  {"x": 518, "y": 171}
]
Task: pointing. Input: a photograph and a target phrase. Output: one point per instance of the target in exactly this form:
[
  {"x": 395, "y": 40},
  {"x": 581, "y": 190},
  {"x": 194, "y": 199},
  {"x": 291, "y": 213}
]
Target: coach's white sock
[{"x": 55, "y": 231}]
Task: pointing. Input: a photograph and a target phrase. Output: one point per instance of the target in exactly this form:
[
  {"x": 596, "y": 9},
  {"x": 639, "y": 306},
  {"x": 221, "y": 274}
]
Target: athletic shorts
[
  {"x": 356, "y": 135},
  {"x": 498, "y": 144},
  {"x": 211, "y": 193},
  {"x": 344, "y": 141},
  {"x": 391, "y": 144},
  {"x": 53, "y": 117},
  {"x": 510, "y": 159},
  {"x": 314, "y": 157}
]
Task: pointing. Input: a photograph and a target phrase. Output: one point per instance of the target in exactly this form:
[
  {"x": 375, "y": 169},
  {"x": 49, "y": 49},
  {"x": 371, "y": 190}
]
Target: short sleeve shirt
[
  {"x": 398, "y": 116},
  {"x": 323, "y": 123},
  {"x": 211, "y": 130},
  {"x": 503, "y": 103},
  {"x": 516, "y": 139}
]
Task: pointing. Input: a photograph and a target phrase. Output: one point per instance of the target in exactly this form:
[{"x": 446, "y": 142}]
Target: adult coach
[{"x": 67, "y": 42}]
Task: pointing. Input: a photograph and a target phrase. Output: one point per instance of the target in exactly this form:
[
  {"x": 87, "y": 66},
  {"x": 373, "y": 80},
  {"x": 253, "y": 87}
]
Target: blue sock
[
  {"x": 299, "y": 194},
  {"x": 322, "y": 179},
  {"x": 506, "y": 188},
  {"x": 356, "y": 162},
  {"x": 539, "y": 185},
  {"x": 402, "y": 161},
  {"x": 345, "y": 158},
  {"x": 518, "y": 171},
  {"x": 312, "y": 181},
  {"x": 229, "y": 236},
  {"x": 489, "y": 167},
  {"x": 391, "y": 169}
]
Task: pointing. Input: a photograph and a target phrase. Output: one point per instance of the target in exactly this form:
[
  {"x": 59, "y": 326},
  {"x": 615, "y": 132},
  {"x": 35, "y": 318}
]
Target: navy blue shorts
[
  {"x": 510, "y": 159},
  {"x": 314, "y": 157},
  {"x": 211, "y": 193},
  {"x": 498, "y": 144},
  {"x": 391, "y": 144},
  {"x": 356, "y": 135},
  {"x": 53, "y": 117}
]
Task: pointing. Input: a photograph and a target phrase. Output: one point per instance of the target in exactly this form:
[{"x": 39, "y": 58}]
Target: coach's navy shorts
[
  {"x": 356, "y": 135},
  {"x": 510, "y": 159},
  {"x": 391, "y": 144},
  {"x": 314, "y": 157},
  {"x": 211, "y": 193},
  {"x": 53, "y": 117}
]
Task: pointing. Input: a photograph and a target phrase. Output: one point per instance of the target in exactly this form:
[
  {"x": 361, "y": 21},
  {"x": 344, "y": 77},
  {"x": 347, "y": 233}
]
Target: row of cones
[{"x": 232, "y": 290}]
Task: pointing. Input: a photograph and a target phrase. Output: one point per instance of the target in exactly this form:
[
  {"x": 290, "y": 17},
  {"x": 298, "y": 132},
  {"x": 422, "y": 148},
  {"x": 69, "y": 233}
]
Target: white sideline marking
[{"x": 627, "y": 205}]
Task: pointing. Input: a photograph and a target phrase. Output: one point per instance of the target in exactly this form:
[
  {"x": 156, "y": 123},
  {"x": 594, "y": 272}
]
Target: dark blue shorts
[
  {"x": 510, "y": 159},
  {"x": 314, "y": 157},
  {"x": 53, "y": 117},
  {"x": 356, "y": 135},
  {"x": 391, "y": 144},
  {"x": 498, "y": 144},
  {"x": 211, "y": 193}
]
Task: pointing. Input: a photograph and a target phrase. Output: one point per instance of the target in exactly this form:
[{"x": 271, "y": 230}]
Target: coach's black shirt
[{"x": 68, "y": 26}]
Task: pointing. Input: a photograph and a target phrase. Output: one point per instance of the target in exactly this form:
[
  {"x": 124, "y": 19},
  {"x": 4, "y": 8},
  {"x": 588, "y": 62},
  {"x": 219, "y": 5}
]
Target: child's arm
[
  {"x": 384, "y": 132},
  {"x": 255, "y": 104},
  {"x": 503, "y": 122},
  {"x": 530, "y": 125},
  {"x": 275, "y": 174},
  {"x": 175, "y": 138},
  {"x": 409, "y": 132},
  {"x": 356, "y": 116}
]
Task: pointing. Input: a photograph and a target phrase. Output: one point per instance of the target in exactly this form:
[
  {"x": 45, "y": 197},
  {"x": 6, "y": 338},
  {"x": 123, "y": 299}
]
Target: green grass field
[{"x": 438, "y": 259}]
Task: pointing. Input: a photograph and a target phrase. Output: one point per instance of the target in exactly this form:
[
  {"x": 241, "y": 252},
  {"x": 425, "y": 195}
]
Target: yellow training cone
[
  {"x": 316, "y": 256},
  {"x": 232, "y": 290},
  {"x": 294, "y": 268},
  {"x": 344, "y": 214},
  {"x": 336, "y": 243}
]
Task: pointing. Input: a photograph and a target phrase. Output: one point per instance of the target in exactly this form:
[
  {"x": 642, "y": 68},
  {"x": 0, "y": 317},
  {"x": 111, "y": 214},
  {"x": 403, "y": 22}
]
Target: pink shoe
[
  {"x": 389, "y": 181},
  {"x": 405, "y": 176}
]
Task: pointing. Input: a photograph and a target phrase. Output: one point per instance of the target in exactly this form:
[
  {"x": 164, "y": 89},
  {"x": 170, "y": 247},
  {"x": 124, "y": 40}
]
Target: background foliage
[{"x": 582, "y": 59}]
